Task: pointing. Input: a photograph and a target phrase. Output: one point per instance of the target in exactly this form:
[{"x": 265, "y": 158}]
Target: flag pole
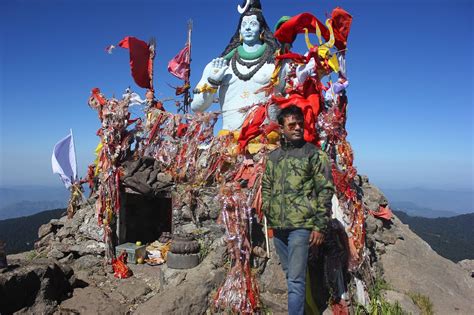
[
  {"x": 187, "y": 95},
  {"x": 151, "y": 47}
]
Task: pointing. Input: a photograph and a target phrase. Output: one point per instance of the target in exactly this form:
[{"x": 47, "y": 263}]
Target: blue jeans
[{"x": 292, "y": 248}]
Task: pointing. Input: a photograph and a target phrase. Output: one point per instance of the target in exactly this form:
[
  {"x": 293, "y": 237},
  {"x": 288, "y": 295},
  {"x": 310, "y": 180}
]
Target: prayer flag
[
  {"x": 140, "y": 61},
  {"x": 179, "y": 65},
  {"x": 64, "y": 160}
]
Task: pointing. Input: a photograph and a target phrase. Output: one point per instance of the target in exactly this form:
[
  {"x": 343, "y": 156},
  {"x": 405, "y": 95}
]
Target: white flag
[{"x": 64, "y": 160}]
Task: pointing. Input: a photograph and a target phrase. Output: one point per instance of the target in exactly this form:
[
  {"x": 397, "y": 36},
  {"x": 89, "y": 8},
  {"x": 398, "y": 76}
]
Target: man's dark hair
[{"x": 291, "y": 110}]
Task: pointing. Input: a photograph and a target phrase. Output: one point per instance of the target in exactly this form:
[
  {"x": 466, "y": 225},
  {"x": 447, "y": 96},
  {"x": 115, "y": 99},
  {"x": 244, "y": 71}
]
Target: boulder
[
  {"x": 411, "y": 266},
  {"x": 34, "y": 288},
  {"x": 91, "y": 300},
  {"x": 191, "y": 294}
]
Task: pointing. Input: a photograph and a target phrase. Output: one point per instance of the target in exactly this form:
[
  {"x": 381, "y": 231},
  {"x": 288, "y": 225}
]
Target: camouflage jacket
[{"x": 297, "y": 187}]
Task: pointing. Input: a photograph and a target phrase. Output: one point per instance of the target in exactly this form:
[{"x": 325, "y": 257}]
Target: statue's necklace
[{"x": 260, "y": 54}]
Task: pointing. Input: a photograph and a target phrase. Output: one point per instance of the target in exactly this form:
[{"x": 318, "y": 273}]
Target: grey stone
[
  {"x": 410, "y": 265},
  {"x": 403, "y": 300},
  {"x": 57, "y": 223},
  {"x": 91, "y": 300},
  {"x": 45, "y": 241},
  {"x": 45, "y": 229},
  {"x": 153, "y": 177},
  {"x": 87, "y": 262},
  {"x": 54, "y": 253},
  {"x": 69, "y": 259},
  {"x": 191, "y": 296},
  {"x": 33, "y": 288},
  {"x": 64, "y": 232},
  {"x": 132, "y": 289},
  {"x": 137, "y": 185},
  {"x": 273, "y": 278},
  {"x": 89, "y": 247}
]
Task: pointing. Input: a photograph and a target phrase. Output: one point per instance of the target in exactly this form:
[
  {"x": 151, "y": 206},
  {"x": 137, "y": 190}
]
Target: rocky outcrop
[
  {"x": 35, "y": 287},
  {"x": 395, "y": 253},
  {"x": 411, "y": 266},
  {"x": 468, "y": 265}
]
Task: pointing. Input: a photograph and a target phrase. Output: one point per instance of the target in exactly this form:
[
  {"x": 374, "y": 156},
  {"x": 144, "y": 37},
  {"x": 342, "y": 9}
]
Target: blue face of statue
[{"x": 250, "y": 30}]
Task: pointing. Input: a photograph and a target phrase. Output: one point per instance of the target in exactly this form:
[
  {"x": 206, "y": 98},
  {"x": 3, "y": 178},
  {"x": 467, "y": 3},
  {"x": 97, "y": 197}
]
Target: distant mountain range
[
  {"x": 26, "y": 208},
  {"x": 452, "y": 238},
  {"x": 21, "y": 201},
  {"x": 416, "y": 211},
  {"x": 20, "y": 234},
  {"x": 420, "y": 201},
  {"x": 14, "y": 194}
]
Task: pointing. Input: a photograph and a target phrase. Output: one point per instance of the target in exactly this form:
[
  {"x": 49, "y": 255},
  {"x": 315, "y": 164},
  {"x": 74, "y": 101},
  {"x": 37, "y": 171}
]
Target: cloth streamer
[
  {"x": 140, "y": 62},
  {"x": 340, "y": 22},
  {"x": 63, "y": 160},
  {"x": 179, "y": 65}
]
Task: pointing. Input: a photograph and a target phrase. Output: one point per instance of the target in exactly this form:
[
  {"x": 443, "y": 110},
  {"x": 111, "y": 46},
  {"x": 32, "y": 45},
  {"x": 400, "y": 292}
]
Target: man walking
[{"x": 297, "y": 190}]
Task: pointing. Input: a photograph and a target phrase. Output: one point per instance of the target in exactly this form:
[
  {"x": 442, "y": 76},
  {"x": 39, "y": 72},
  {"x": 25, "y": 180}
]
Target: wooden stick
[{"x": 266, "y": 235}]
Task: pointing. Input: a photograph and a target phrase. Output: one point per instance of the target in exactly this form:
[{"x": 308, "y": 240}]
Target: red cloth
[
  {"x": 120, "y": 267},
  {"x": 287, "y": 32},
  {"x": 179, "y": 65},
  {"x": 140, "y": 61},
  {"x": 340, "y": 22},
  {"x": 182, "y": 129},
  {"x": 384, "y": 213},
  {"x": 251, "y": 126},
  {"x": 341, "y": 25},
  {"x": 98, "y": 96}
]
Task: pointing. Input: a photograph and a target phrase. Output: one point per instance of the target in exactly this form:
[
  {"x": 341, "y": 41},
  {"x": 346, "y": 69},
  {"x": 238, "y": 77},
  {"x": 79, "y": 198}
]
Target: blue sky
[{"x": 410, "y": 66}]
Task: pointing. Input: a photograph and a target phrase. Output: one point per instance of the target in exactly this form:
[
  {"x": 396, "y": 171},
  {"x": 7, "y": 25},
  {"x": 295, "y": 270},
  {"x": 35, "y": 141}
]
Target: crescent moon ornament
[{"x": 242, "y": 10}]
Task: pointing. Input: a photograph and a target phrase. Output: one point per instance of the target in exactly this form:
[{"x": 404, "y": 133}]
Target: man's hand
[{"x": 316, "y": 238}]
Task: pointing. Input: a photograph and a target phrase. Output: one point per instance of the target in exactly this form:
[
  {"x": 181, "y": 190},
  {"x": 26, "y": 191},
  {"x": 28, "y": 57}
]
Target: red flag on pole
[
  {"x": 140, "y": 61},
  {"x": 179, "y": 65}
]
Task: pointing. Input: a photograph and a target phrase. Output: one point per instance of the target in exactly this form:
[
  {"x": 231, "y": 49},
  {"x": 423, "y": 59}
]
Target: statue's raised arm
[{"x": 245, "y": 66}]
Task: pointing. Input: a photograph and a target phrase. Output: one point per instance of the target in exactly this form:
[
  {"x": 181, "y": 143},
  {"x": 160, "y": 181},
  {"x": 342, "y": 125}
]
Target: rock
[
  {"x": 277, "y": 303},
  {"x": 87, "y": 262},
  {"x": 54, "y": 253},
  {"x": 273, "y": 278},
  {"x": 89, "y": 247},
  {"x": 153, "y": 177},
  {"x": 403, "y": 300},
  {"x": 137, "y": 185},
  {"x": 191, "y": 296},
  {"x": 34, "y": 288},
  {"x": 64, "y": 232},
  {"x": 410, "y": 265},
  {"x": 468, "y": 265},
  {"x": 164, "y": 178},
  {"x": 91, "y": 300},
  {"x": 44, "y": 230},
  {"x": 132, "y": 289},
  {"x": 69, "y": 259},
  {"x": 372, "y": 196},
  {"x": 45, "y": 241},
  {"x": 56, "y": 223}
]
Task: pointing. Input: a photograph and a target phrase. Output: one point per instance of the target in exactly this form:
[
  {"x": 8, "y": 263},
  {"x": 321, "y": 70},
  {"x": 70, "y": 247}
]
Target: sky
[{"x": 409, "y": 63}]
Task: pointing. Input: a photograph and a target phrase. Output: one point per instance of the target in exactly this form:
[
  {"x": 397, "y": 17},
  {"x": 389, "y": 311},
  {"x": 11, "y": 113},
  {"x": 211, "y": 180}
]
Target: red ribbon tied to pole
[
  {"x": 179, "y": 65},
  {"x": 140, "y": 61}
]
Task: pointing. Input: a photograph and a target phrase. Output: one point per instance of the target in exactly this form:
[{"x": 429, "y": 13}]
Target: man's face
[
  {"x": 250, "y": 29},
  {"x": 293, "y": 128}
]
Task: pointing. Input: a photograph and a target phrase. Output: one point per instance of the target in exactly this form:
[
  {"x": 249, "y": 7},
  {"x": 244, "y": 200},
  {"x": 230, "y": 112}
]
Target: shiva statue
[{"x": 243, "y": 69}]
